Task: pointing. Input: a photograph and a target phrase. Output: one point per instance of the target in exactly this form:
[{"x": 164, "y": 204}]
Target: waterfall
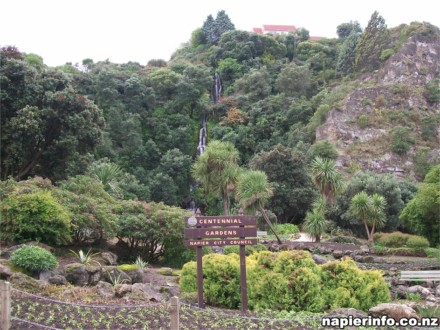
[
  {"x": 216, "y": 88},
  {"x": 215, "y": 96},
  {"x": 203, "y": 137}
]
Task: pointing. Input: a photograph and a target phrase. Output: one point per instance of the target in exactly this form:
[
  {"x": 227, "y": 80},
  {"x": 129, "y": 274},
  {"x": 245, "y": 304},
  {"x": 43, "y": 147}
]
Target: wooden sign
[
  {"x": 238, "y": 230},
  {"x": 220, "y": 221},
  {"x": 211, "y": 242},
  {"x": 221, "y": 232}
]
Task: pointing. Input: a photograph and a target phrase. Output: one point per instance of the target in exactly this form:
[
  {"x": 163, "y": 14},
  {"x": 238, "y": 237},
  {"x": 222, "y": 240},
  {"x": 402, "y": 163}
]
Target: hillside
[{"x": 395, "y": 95}]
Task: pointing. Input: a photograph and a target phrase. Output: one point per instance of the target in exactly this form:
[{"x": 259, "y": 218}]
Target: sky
[{"x": 62, "y": 31}]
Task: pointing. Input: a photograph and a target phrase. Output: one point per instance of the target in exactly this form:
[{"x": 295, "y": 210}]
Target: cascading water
[
  {"x": 203, "y": 137},
  {"x": 215, "y": 96}
]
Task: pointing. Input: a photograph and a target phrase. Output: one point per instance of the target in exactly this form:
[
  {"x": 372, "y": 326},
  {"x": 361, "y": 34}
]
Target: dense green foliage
[
  {"x": 288, "y": 280},
  {"x": 398, "y": 239},
  {"x": 34, "y": 216},
  {"x": 34, "y": 259},
  {"x": 422, "y": 213},
  {"x": 108, "y": 134}
]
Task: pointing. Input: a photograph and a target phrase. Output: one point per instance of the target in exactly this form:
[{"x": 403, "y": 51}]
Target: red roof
[
  {"x": 258, "y": 30},
  {"x": 316, "y": 38},
  {"x": 275, "y": 28}
]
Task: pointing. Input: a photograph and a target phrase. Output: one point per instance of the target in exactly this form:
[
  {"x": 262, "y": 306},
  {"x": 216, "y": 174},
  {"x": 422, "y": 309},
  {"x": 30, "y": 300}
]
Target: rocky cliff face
[{"x": 394, "y": 95}]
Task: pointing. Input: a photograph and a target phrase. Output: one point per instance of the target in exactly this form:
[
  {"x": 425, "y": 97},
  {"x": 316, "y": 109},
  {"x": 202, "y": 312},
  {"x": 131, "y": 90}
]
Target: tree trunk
[
  {"x": 318, "y": 238},
  {"x": 225, "y": 203},
  {"x": 270, "y": 225},
  {"x": 368, "y": 231}
]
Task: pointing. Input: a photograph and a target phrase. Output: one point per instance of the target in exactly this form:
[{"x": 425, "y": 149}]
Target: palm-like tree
[
  {"x": 326, "y": 178},
  {"x": 370, "y": 210},
  {"x": 253, "y": 191},
  {"x": 109, "y": 174},
  {"x": 315, "y": 223},
  {"x": 217, "y": 170}
]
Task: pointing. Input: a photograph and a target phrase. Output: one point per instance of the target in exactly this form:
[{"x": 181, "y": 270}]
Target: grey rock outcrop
[{"x": 395, "y": 311}]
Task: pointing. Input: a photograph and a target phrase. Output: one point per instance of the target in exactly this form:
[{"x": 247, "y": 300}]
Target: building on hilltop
[
  {"x": 280, "y": 29},
  {"x": 275, "y": 29}
]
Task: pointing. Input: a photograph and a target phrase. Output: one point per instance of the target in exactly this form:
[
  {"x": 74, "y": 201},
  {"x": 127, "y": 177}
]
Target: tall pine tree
[
  {"x": 373, "y": 41},
  {"x": 213, "y": 29}
]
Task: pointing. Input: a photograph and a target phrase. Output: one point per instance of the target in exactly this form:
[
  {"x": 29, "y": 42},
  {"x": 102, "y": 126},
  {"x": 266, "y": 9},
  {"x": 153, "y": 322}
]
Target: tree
[
  {"x": 345, "y": 29},
  {"x": 326, "y": 178},
  {"x": 294, "y": 80},
  {"x": 347, "y": 54},
  {"x": 253, "y": 191},
  {"x": 396, "y": 192},
  {"x": 213, "y": 29},
  {"x": 373, "y": 41},
  {"x": 217, "y": 170},
  {"x": 370, "y": 210},
  {"x": 422, "y": 213},
  {"x": 222, "y": 24},
  {"x": 293, "y": 189},
  {"x": 315, "y": 223}
]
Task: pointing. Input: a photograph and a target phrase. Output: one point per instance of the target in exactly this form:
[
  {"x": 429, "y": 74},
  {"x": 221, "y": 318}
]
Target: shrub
[
  {"x": 417, "y": 242},
  {"x": 289, "y": 280},
  {"x": 401, "y": 140},
  {"x": 432, "y": 91},
  {"x": 347, "y": 286},
  {"x": 393, "y": 240},
  {"x": 286, "y": 229},
  {"x": 400, "y": 240},
  {"x": 250, "y": 249},
  {"x": 345, "y": 240},
  {"x": 35, "y": 217},
  {"x": 34, "y": 259}
]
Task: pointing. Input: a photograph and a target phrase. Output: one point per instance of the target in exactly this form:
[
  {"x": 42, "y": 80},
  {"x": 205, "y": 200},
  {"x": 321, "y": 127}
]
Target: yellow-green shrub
[
  {"x": 417, "y": 242},
  {"x": 347, "y": 286},
  {"x": 289, "y": 280}
]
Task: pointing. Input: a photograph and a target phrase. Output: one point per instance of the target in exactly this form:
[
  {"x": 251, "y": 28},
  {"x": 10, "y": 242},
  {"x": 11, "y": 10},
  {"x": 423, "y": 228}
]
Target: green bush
[
  {"x": 347, "y": 286},
  {"x": 401, "y": 140},
  {"x": 249, "y": 249},
  {"x": 286, "y": 229},
  {"x": 344, "y": 240},
  {"x": 399, "y": 240},
  {"x": 221, "y": 280},
  {"x": 289, "y": 280},
  {"x": 34, "y": 217},
  {"x": 432, "y": 91},
  {"x": 417, "y": 242},
  {"x": 34, "y": 259}
]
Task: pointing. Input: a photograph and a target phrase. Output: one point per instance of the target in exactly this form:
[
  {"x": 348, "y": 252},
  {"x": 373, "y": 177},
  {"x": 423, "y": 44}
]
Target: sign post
[{"x": 219, "y": 231}]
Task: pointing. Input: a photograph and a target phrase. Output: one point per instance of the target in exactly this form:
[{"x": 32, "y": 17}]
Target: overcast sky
[{"x": 63, "y": 31}]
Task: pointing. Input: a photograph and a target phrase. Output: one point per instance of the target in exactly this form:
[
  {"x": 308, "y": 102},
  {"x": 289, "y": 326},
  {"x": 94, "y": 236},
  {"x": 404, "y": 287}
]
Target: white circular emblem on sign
[{"x": 192, "y": 221}]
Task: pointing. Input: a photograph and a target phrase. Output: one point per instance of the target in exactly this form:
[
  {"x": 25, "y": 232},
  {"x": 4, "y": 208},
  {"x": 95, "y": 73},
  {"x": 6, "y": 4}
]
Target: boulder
[
  {"x": 24, "y": 282},
  {"x": 94, "y": 273},
  {"x": 109, "y": 258},
  {"x": 114, "y": 275},
  {"x": 345, "y": 312},
  {"x": 140, "y": 291},
  {"x": 105, "y": 289},
  {"x": 437, "y": 291},
  {"x": 137, "y": 276},
  {"x": 122, "y": 290},
  {"x": 424, "y": 292},
  {"x": 5, "y": 272},
  {"x": 319, "y": 260},
  {"x": 395, "y": 311},
  {"x": 57, "y": 280},
  {"x": 76, "y": 274},
  {"x": 338, "y": 254}
]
